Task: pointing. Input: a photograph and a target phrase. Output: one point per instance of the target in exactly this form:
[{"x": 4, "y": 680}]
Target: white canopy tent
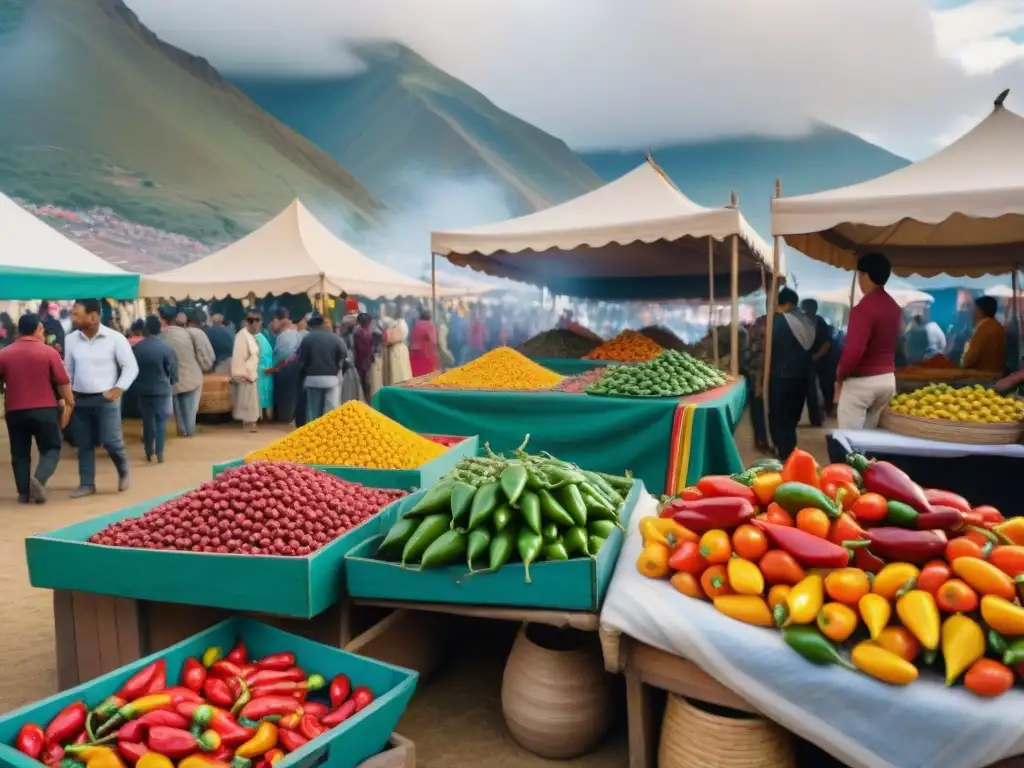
[
  {"x": 292, "y": 253},
  {"x": 903, "y": 296},
  {"x": 37, "y": 261},
  {"x": 637, "y": 237}
]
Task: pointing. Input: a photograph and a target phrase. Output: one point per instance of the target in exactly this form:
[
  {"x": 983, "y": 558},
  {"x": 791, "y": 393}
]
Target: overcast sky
[{"x": 907, "y": 74}]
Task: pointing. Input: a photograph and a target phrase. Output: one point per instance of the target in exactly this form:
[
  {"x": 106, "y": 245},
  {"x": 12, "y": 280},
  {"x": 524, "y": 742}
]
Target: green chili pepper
[
  {"x": 550, "y": 532},
  {"x": 535, "y": 480},
  {"x": 528, "y": 544},
  {"x": 485, "y": 502},
  {"x": 513, "y": 482},
  {"x": 530, "y": 510},
  {"x": 768, "y": 465},
  {"x": 602, "y": 528},
  {"x": 462, "y": 499},
  {"x": 554, "y": 550},
  {"x": 997, "y": 643},
  {"x": 1014, "y": 653},
  {"x": 429, "y": 529},
  {"x": 575, "y": 540},
  {"x": 605, "y": 487},
  {"x": 793, "y": 497},
  {"x": 814, "y": 646},
  {"x": 598, "y": 511},
  {"x": 397, "y": 536},
  {"x": 501, "y": 517},
  {"x": 437, "y": 499},
  {"x": 900, "y": 515},
  {"x": 572, "y": 502},
  {"x": 501, "y": 548},
  {"x": 747, "y": 477},
  {"x": 553, "y": 511},
  {"x": 445, "y": 549},
  {"x": 477, "y": 545},
  {"x": 618, "y": 482},
  {"x": 595, "y": 542}
]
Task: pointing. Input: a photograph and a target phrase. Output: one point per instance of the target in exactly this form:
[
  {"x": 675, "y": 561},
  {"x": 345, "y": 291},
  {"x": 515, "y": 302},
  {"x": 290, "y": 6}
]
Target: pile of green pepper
[{"x": 491, "y": 510}]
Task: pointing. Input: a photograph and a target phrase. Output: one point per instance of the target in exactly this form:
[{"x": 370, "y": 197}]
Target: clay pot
[{"x": 555, "y": 694}]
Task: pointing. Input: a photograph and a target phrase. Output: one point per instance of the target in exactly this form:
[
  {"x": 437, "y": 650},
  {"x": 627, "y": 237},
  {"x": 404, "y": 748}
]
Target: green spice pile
[
  {"x": 670, "y": 374},
  {"x": 492, "y": 510},
  {"x": 558, "y": 343}
]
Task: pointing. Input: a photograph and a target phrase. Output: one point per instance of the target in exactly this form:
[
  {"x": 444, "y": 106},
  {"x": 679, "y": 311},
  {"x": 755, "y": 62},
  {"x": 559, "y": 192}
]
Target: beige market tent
[
  {"x": 637, "y": 237},
  {"x": 291, "y": 253},
  {"x": 960, "y": 211},
  {"x": 903, "y": 296}
]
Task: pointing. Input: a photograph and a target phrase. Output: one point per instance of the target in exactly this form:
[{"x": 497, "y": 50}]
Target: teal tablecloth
[
  {"x": 663, "y": 441},
  {"x": 570, "y": 366}
]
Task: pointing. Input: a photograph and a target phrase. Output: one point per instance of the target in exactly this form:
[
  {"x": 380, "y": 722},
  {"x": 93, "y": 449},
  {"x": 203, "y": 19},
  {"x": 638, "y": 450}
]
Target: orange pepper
[
  {"x": 653, "y": 561},
  {"x": 1012, "y": 531},
  {"x": 801, "y": 467},
  {"x": 715, "y": 582},
  {"x": 1009, "y": 559},
  {"x": 764, "y": 486},
  {"x": 715, "y": 546},
  {"x": 688, "y": 584},
  {"x": 984, "y": 577}
]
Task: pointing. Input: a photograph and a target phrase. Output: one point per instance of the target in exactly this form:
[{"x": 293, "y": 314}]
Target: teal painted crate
[
  {"x": 406, "y": 479},
  {"x": 346, "y": 746},
  {"x": 571, "y": 585},
  {"x": 301, "y": 587}
]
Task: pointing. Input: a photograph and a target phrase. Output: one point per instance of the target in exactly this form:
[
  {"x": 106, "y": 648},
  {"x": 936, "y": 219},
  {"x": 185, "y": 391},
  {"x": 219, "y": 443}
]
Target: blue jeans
[
  {"x": 320, "y": 401},
  {"x": 154, "y": 423},
  {"x": 186, "y": 408},
  {"x": 97, "y": 422}
]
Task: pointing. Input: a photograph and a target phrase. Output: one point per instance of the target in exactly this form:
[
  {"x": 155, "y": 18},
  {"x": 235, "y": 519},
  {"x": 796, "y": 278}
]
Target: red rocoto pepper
[
  {"x": 266, "y": 706},
  {"x": 890, "y": 481},
  {"x": 339, "y": 715},
  {"x": 315, "y": 708},
  {"x": 176, "y": 743},
  {"x": 30, "y": 740},
  {"x": 707, "y": 514},
  {"x": 279, "y": 661},
  {"x": 68, "y": 723},
  {"x": 217, "y": 691},
  {"x": 310, "y": 728},
  {"x": 290, "y": 740},
  {"x": 808, "y": 550},
  {"x": 239, "y": 654},
  {"x": 135, "y": 730},
  {"x": 947, "y": 499},
  {"x": 718, "y": 486},
  {"x": 132, "y": 751},
  {"x": 941, "y": 518},
  {"x": 193, "y": 675},
  {"x": 340, "y": 688},
  {"x": 149, "y": 679},
  {"x": 53, "y": 753},
  {"x": 224, "y": 723},
  {"x": 269, "y": 676},
  {"x": 363, "y": 697},
  {"x": 225, "y": 670},
  {"x": 906, "y": 546}
]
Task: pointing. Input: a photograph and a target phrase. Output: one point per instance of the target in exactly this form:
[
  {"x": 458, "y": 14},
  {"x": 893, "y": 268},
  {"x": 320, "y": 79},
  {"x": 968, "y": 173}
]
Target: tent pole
[
  {"x": 853, "y": 289},
  {"x": 770, "y": 321},
  {"x": 711, "y": 298},
  {"x": 1015, "y": 282},
  {"x": 323, "y": 295},
  {"x": 734, "y": 329},
  {"x": 433, "y": 298}
]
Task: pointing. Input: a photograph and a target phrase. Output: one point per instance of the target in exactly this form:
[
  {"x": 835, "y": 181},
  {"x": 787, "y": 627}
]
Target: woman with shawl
[
  {"x": 265, "y": 375},
  {"x": 423, "y": 356},
  {"x": 245, "y": 367}
]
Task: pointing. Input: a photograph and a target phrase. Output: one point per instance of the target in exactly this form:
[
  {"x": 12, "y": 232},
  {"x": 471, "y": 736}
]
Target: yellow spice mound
[
  {"x": 501, "y": 368},
  {"x": 352, "y": 435},
  {"x": 628, "y": 347}
]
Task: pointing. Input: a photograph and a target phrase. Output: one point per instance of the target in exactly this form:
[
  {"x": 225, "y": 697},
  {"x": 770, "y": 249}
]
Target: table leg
[{"x": 640, "y": 715}]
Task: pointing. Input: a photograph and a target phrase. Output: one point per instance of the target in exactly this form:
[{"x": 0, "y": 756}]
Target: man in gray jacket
[{"x": 194, "y": 353}]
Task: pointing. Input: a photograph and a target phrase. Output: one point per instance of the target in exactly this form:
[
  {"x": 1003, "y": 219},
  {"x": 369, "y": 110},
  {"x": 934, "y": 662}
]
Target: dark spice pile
[{"x": 558, "y": 342}]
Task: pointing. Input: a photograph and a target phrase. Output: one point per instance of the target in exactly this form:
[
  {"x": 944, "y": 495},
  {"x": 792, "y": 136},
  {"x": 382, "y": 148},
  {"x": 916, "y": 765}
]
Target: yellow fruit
[
  {"x": 352, "y": 435},
  {"x": 502, "y": 369}
]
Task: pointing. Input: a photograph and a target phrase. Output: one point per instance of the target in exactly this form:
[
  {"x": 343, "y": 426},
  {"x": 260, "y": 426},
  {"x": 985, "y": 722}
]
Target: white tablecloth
[
  {"x": 864, "y": 723},
  {"x": 883, "y": 441}
]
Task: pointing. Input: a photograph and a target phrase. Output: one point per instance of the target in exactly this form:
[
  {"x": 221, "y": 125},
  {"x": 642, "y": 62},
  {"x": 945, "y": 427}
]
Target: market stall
[
  {"x": 637, "y": 237},
  {"x": 37, "y": 262}
]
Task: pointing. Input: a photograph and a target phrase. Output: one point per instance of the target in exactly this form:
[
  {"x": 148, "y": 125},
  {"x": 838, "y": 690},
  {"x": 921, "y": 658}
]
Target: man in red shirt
[
  {"x": 866, "y": 376},
  {"x": 31, "y": 376}
]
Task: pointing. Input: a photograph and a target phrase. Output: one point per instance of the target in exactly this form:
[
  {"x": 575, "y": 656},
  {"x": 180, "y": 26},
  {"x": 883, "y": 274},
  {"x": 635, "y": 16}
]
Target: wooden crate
[{"x": 400, "y": 753}]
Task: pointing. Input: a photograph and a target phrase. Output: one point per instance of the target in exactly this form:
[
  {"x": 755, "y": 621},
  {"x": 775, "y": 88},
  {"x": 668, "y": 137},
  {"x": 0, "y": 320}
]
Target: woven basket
[
  {"x": 694, "y": 738},
  {"x": 216, "y": 394},
  {"x": 953, "y": 431}
]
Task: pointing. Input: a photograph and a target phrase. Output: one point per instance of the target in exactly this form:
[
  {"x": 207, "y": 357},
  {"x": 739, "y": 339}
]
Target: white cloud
[{"x": 639, "y": 72}]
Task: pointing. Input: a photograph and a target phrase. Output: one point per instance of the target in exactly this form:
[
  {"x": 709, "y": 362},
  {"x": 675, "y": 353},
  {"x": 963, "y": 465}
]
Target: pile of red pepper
[{"x": 225, "y": 712}]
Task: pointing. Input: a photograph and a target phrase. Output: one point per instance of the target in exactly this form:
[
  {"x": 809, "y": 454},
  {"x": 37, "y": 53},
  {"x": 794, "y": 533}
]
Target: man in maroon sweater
[{"x": 866, "y": 375}]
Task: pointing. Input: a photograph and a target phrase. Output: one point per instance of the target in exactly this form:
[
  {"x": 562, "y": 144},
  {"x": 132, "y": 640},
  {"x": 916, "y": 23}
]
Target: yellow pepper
[
  {"x": 665, "y": 530},
  {"x": 805, "y": 600},
  {"x": 894, "y": 578},
  {"x": 653, "y": 561},
  {"x": 876, "y": 612},
  {"x": 963, "y": 643},
  {"x": 133, "y": 709},
  {"x": 1012, "y": 531},
  {"x": 202, "y": 761},
  {"x": 262, "y": 741},
  {"x": 764, "y": 486},
  {"x": 876, "y": 661},
  {"x": 212, "y": 655},
  {"x": 919, "y": 613},
  {"x": 1003, "y": 616},
  {"x": 744, "y": 577},
  {"x": 154, "y": 760},
  {"x": 750, "y": 609},
  {"x": 95, "y": 757}
]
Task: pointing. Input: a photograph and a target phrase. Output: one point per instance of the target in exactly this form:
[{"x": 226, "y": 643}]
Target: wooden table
[{"x": 586, "y": 622}]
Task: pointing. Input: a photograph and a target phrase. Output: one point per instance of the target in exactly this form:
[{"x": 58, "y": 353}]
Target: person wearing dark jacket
[
  {"x": 52, "y": 328},
  {"x": 222, "y": 339},
  {"x": 793, "y": 337},
  {"x": 322, "y": 356},
  {"x": 158, "y": 373},
  {"x": 821, "y": 375}
]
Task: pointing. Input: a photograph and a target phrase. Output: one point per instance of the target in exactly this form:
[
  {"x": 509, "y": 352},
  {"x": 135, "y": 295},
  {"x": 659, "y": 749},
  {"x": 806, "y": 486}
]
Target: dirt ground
[{"x": 455, "y": 719}]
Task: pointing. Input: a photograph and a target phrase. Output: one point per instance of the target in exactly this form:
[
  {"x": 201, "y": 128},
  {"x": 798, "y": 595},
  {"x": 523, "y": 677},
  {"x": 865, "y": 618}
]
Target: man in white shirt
[{"x": 102, "y": 366}]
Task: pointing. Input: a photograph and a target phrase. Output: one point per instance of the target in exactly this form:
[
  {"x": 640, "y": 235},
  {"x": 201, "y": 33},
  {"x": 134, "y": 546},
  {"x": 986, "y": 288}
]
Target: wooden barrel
[{"x": 216, "y": 394}]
